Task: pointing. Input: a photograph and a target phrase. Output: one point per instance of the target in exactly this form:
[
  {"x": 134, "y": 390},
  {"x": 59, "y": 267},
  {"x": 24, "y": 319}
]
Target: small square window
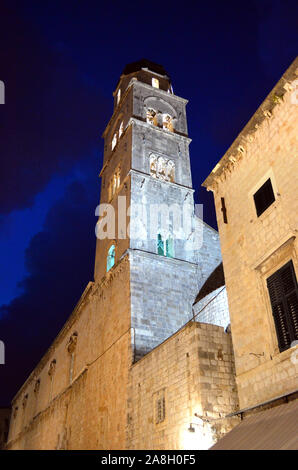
[
  {"x": 155, "y": 82},
  {"x": 264, "y": 197}
]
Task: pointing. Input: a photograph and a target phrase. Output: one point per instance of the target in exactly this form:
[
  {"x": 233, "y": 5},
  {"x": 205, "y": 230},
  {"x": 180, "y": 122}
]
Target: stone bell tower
[{"x": 146, "y": 171}]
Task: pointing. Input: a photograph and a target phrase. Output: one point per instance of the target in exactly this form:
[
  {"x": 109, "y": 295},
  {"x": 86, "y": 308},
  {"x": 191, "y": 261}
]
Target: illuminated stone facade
[
  {"x": 255, "y": 191},
  {"x": 120, "y": 349},
  {"x": 131, "y": 369}
]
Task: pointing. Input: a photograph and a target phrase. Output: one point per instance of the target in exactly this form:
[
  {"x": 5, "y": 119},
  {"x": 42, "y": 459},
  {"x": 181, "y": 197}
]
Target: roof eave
[{"x": 264, "y": 110}]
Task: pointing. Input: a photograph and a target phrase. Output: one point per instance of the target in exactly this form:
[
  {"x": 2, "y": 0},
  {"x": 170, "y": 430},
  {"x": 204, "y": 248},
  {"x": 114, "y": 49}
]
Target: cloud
[
  {"x": 59, "y": 262},
  {"x": 53, "y": 115}
]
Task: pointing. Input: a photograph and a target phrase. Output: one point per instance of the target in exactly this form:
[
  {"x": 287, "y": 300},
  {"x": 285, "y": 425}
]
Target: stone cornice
[
  {"x": 274, "y": 253},
  {"x": 157, "y": 180},
  {"x": 238, "y": 149},
  {"x": 175, "y": 134},
  {"x": 160, "y": 91},
  {"x": 136, "y": 82}
]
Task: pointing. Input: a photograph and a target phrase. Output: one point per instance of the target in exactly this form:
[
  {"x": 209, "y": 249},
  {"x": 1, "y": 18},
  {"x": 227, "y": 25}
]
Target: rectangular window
[
  {"x": 283, "y": 292},
  {"x": 264, "y": 197}
]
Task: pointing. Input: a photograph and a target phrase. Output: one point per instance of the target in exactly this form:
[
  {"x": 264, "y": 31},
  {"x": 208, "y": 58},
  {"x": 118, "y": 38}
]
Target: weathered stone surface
[
  {"x": 255, "y": 247},
  {"x": 89, "y": 393}
]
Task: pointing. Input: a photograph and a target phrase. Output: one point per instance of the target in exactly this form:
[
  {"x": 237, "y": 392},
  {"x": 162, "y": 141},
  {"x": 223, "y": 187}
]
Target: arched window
[
  {"x": 151, "y": 116},
  {"x": 160, "y": 245},
  {"x": 118, "y": 96},
  {"x": 114, "y": 141},
  {"x": 111, "y": 257},
  {"x": 153, "y": 165},
  {"x": 170, "y": 171},
  {"x": 161, "y": 168},
  {"x": 170, "y": 247},
  {"x": 121, "y": 129},
  {"x": 114, "y": 183},
  {"x": 167, "y": 122}
]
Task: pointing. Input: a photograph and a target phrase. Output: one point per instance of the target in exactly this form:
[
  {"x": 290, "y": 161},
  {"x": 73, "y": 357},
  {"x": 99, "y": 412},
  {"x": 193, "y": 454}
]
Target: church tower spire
[{"x": 147, "y": 190}]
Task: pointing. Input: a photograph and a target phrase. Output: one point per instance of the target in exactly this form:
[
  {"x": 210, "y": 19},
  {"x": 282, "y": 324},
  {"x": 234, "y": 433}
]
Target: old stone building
[
  {"x": 146, "y": 360},
  {"x": 132, "y": 368},
  {"x": 255, "y": 192}
]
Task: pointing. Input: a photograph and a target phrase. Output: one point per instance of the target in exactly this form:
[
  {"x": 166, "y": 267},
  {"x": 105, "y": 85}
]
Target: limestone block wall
[
  {"x": 255, "y": 247},
  {"x": 214, "y": 308},
  {"x": 190, "y": 373},
  {"x": 82, "y": 405},
  {"x": 162, "y": 293}
]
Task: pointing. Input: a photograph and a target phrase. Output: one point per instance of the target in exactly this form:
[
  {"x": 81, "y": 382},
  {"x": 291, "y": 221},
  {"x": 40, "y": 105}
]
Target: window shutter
[
  {"x": 264, "y": 197},
  {"x": 283, "y": 292}
]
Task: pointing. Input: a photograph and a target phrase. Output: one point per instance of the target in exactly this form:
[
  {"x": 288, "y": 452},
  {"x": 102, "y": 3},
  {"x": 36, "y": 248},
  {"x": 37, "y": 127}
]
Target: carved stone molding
[{"x": 285, "y": 250}]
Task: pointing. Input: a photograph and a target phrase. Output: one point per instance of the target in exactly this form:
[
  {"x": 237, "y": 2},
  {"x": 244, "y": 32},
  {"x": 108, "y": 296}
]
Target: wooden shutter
[
  {"x": 264, "y": 197},
  {"x": 283, "y": 292}
]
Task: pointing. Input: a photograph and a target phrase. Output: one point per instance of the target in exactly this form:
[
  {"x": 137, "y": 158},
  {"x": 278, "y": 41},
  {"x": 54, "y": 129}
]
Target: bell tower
[{"x": 147, "y": 191}]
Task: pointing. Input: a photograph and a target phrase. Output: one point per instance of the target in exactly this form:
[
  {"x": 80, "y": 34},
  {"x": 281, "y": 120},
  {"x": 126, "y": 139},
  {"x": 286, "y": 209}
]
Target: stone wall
[
  {"x": 82, "y": 404},
  {"x": 193, "y": 372},
  {"x": 162, "y": 294},
  {"x": 255, "y": 247},
  {"x": 214, "y": 308}
]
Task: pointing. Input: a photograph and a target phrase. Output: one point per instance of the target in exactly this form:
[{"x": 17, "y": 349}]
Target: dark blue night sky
[{"x": 60, "y": 62}]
